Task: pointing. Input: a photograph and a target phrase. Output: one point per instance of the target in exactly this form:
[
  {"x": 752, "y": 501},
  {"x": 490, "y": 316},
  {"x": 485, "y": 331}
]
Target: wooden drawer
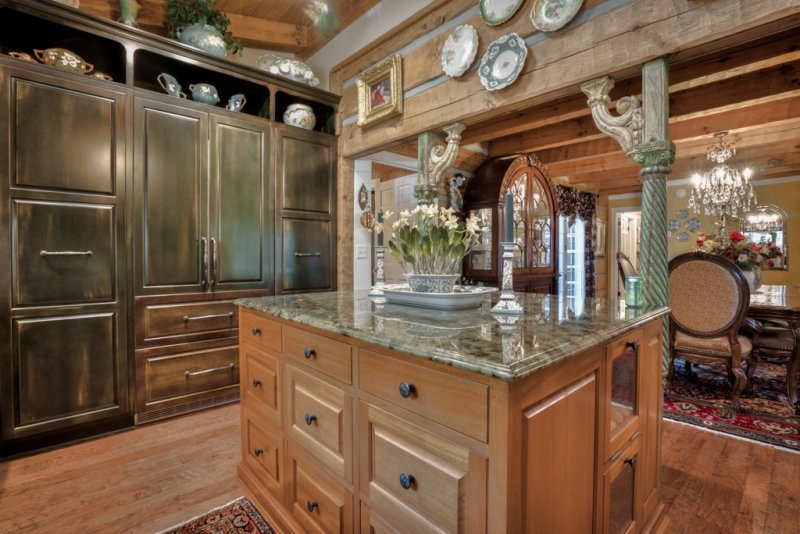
[
  {"x": 188, "y": 375},
  {"x": 320, "y": 419},
  {"x": 160, "y": 322},
  {"x": 417, "y": 481},
  {"x": 457, "y": 403},
  {"x": 321, "y": 353},
  {"x": 318, "y": 503},
  {"x": 262, "y": 451},
  {"x": 261, "y": 383},
  {"x": 259, "y": 330}
]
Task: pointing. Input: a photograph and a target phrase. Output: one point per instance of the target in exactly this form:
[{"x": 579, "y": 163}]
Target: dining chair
[
  {"x": 777, "y": 339},
  {"x": 626, "y": 268},
  {"x": 708, "y": 300}
]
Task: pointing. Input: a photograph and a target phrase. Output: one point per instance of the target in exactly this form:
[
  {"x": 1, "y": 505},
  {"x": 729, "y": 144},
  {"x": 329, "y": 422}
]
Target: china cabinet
[
  {"x": 131, "y": 219},
  {"x": 535, "y": 222}
]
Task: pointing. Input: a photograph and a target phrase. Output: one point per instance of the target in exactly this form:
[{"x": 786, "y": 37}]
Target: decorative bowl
[
  {"x": 294, "y": 70},
  {"x": 205, "y": 93},
  {"x": 102, "y": 76},
  {"x": 265, "y": 61},
  {"x": 23, "y": 56},
  {"x": 204, "y": 37},
  {"x": 63, "y": 59},
  {"x": 169, "y": 84},
  {"x": 432, "y": 283},
  {"x": 300, "y": 115}
]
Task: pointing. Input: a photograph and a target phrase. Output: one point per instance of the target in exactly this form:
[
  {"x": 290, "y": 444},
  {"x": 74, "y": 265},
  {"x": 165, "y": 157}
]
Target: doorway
[
  {"x": 625, "y": 239},
  {"x": 394, "y": 195}
]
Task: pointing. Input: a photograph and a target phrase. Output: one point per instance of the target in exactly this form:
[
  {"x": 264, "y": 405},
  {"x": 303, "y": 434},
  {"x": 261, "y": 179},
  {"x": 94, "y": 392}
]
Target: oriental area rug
[
  {"x": 238, "y": 517},
  {"x": 705, "y": 401}
]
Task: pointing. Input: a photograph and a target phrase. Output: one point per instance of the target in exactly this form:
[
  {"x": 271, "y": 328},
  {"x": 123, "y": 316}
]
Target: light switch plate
[{"x": 361, "y": 252}]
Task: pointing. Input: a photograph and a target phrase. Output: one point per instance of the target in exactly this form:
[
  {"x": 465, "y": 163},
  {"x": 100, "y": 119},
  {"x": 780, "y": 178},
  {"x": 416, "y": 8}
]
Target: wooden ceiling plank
[
  {"x": 269, "y": 34},
  {"x": 388, "y": 172}
]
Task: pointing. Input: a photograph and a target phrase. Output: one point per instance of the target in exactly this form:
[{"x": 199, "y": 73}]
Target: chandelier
[{"x": 722, "y": 191}]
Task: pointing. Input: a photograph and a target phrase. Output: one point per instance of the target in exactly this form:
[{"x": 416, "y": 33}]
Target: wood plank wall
[{"x": 608, "y": 37}]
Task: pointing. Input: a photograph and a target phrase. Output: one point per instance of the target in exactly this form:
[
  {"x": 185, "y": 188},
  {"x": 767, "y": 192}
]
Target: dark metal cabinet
[
  {"x": 306, "y": 190},
  {"x": 204, "y": 235},
  {"x": 63, "y": 357}
]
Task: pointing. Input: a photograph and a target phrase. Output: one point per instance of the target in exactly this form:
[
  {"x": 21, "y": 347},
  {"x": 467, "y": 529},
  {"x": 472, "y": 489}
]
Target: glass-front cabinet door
[{"x": 623, "y": 394}]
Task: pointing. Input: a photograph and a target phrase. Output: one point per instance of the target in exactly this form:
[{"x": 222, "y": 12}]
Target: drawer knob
[
  {"x": 310, "y": 419},
  {"x": 256, "y": 383},
  {"x": 632, "y": 344},
  {"x": 308, "y": 352},
  {"x": 406, "y": 480},
  {"x": 255, "y": 330},
  {"x": 311, "y": 506},
  {"x": 406, "y": 389},
  {"x": 258, "y": 452},
  {"x": 631, "y": 462}
]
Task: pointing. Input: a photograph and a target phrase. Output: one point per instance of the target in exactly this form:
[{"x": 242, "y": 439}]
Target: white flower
[
  {"x": 451, "y": 224},
  {"x": 378, "y": 227},
  {"x": 387, "y": 214},
  {"x": 399, "y": 223},
  {"x": 473, "y": 228}
]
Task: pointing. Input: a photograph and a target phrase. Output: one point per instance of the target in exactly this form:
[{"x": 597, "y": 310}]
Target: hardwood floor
[
  {"x": 159, "y": 475},
  {"x": 142, "y": 480}
]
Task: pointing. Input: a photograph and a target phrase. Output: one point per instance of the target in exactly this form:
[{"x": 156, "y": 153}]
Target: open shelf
[{"x": 326, "y": 115}]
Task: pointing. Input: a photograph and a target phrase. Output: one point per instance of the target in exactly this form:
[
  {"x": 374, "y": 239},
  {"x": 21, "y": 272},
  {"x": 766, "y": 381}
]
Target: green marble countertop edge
[{"x": 508, "y": 372}]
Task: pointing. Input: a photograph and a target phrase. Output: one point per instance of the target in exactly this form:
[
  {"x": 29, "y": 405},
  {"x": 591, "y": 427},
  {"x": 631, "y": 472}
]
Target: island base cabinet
[{"x": 620, "y": 483}]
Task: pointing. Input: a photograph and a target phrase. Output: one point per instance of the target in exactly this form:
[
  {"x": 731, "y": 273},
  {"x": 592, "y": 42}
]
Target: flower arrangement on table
[
  {"x": 430, "y": 240},
  {"x": 747, "y": 255}
]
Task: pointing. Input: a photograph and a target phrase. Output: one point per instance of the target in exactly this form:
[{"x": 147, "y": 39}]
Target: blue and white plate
[
  {"x": 682, "y": 213},
  {"x": 673, "y": 225},
  {"x": 693, "y": 224},
  {"x": 502, "y": 62},
  {"x": 683, "y": 236}
]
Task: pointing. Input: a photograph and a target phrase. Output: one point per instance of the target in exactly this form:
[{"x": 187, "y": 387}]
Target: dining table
[{"x": 782, "y": 303}]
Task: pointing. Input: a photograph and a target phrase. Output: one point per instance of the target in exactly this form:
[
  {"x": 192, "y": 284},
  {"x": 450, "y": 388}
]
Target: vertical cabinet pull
[
  {"x": 406, "y": 480},
  {"x": 311, "y": 506},
  {"x": 204, "y": 256},
  {"x": 214, "y": 261},
  {"x": 406, "y": 389}
]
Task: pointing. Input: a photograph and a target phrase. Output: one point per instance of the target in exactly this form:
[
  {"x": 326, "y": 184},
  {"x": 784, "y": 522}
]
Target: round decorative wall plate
[
  {"x": 363, "y": 197},
  {"x": 693, "y": 224},
  {"x": 459, "y": 50},
  {"x": 552, "y": 15},
  {"x": 494, "y": 12},
  {"x": 682, "y": 213},
  {"x": 673, "y": 225},
  {"x": 502, "y": 62},
  {"x": 683, "y": 236}
]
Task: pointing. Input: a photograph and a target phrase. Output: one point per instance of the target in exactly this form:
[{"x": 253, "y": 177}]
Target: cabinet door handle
[
  {"x": 310, "y": 419},
  {"x": 255, "y": 330},
  {"x": 306, "y": 254},
  {"x": 204, "y": 256},
  {"x": 258, "y": 452},
  {"x": 256, "y": 383},
  {"x": 214, "y": 261},
  {"x": 46, "y": 253},
  {"x": 308, "y": 352},
  {"x": 406, "y": 480},
  {"x": 407, "y": 389},
  {"x": 631, "y": 462},
  {"x": 311, "y": 505},
  {"x": 187, "y": 318},
  {"x": 632, "y": 344},
  {"x": 189, "y": 374}
]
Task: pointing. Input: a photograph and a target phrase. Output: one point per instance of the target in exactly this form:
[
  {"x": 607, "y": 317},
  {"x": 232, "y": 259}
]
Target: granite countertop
[{"x": 551, "y": 329}]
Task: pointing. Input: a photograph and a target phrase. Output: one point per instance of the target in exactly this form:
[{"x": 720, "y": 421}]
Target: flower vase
[
  {"x": 757, "y": 278},
  {"x": 753, "y": 279},
  {"x": 432, "y": 283}
]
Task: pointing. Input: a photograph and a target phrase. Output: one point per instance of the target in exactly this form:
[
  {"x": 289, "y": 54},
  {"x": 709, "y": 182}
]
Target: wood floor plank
[{"x": 163, "y": 474}]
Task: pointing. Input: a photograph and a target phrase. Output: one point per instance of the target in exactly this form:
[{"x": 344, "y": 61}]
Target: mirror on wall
[{"x": 766, "y": 225}]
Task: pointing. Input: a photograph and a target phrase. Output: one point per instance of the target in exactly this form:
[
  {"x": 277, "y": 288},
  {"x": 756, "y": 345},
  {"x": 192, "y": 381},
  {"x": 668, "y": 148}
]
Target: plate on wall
[
  {"x": 494, "y": 12},
  {"x": 683, "y": 236},
  {"x": 459, "y": 50},
  {"x": 552, "y": 15},
  {"x": 462, "y": 297},
  {"x": 502, "y": 62}
]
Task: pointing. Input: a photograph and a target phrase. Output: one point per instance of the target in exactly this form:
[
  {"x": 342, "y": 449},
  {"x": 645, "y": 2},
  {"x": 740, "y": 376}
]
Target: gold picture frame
[{"x": 380, "y": 91}]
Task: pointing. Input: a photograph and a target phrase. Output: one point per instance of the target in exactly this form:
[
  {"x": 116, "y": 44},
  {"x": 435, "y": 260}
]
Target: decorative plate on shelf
[
  {"x": 552, "y": 15},
  {"x": 683, "y": 236},
  {"x": 673, "y": 225},
  {"x": 462, "y": 297},
  {"x": 502, "y": 62},
  {"x": 459, "y": 50},
  {"x": 682, "y": 213},
  {"x": 692, "y": 224},
  {"x": 494, "y": 12}
]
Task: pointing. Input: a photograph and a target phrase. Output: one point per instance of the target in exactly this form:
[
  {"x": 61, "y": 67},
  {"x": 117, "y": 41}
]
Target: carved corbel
[
  {"x": 626, "y": 129},
  {"x": 436, "y": 162}
]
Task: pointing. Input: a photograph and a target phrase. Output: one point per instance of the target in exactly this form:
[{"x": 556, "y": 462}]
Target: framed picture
[{"x": 380, "y": 92}]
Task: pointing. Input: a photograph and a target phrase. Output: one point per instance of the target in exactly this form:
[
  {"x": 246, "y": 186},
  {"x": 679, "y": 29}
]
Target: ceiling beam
[{"x": 261, "y": 33}]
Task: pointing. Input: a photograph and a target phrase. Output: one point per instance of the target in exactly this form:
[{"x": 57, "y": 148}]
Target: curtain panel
[{"x": 574, "y": 203}]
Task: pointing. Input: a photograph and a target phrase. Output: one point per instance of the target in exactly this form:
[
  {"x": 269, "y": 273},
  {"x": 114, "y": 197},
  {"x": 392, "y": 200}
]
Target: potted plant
[
  {"x": 199, "y": 24},
  {"x": 430, "y": 242}
]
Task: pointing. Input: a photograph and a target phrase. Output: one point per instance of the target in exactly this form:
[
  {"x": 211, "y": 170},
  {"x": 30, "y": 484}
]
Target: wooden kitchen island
[{"x": 367, "y": 417}]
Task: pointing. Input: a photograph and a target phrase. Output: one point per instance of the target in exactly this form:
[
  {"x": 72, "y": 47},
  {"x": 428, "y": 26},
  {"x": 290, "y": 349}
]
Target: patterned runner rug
[
  {"x": 705, "y": 401},
  {"x": 238, "y": 517}
]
